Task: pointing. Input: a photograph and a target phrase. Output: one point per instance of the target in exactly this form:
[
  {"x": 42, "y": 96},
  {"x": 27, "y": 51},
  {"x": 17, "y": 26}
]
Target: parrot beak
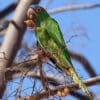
[{"x": 29, "y": 23}]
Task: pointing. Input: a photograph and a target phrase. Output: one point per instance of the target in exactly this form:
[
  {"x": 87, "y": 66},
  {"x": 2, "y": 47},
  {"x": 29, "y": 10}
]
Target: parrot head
[{"x": 36, "y": 15}]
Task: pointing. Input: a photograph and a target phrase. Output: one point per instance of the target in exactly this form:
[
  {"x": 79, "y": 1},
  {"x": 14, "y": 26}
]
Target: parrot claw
[{"x": 45, "y": 56}]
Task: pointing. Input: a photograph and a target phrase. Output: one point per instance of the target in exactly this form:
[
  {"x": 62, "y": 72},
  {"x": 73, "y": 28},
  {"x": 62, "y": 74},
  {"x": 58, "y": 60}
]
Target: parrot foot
[{"x": 44, "y": 56}]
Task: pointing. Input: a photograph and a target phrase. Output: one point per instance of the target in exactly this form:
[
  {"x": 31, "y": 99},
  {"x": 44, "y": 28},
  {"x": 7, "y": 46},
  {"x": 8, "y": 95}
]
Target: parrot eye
[{"x": 38, "y": 10}]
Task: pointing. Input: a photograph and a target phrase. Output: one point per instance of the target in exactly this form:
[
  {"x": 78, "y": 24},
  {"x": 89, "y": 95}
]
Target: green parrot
[{"x": 50, "y": 39}]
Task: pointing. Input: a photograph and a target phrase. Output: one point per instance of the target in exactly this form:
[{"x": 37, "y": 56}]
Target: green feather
[{"x": 51, "y": 40}]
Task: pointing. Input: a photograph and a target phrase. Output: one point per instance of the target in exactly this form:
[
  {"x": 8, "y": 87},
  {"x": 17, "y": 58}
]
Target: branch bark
[
  {"x": 12, "y": 40},
  {"x": 72, "y": 87},
  {"x": 42, "y": 77}
]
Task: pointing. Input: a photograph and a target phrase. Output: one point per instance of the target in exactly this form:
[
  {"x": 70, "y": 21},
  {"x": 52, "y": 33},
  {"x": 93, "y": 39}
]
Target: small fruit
[
  {"x": 66, "y": 90},
  {"x": 63, "y": 94},
  {"x": 59, "y": 93},
  {"x": 30, "y": 98}
]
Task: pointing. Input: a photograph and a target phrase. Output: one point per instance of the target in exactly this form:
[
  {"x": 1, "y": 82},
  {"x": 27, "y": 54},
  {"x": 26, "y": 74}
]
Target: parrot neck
[{"x": 42, "y": 17}]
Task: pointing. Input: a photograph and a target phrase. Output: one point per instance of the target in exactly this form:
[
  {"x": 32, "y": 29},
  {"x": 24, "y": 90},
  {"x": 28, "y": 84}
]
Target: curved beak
[{"x": 29, "y": 22}]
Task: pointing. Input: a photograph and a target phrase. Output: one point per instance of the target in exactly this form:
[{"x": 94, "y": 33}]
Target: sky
[{"x": 84, "y": 23}]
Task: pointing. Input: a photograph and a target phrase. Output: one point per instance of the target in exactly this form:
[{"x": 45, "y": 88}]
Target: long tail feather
[{"x": 77, "y": 80}]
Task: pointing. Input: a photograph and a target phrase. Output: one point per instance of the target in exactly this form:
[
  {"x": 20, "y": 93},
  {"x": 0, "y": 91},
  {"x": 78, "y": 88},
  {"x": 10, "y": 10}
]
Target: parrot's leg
[{"x": 44, "y": 56}]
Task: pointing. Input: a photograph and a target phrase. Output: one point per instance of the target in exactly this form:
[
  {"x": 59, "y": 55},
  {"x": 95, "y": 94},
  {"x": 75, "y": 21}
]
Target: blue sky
[{"x": 69, "y": 22}]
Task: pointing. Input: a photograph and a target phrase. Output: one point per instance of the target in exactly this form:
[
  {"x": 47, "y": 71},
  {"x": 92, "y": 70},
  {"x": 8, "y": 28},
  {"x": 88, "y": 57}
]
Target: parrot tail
[{"x": 77, "y": 80}]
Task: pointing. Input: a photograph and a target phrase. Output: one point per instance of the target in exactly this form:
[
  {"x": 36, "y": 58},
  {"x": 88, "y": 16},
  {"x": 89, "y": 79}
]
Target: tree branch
[
  {"x": 74, "y": 7},
  {"x": 12, "y": 40},
  {"x": 42, "y": 77},
  {"x": 8, "y": 10},
  {"x": 88, "y": 67},
  {"x": 34, "y": 60},
  {"x": 47, "y": 3},
  {"x": 72, "y": 87},
  {"x": 51, "y": 78}
]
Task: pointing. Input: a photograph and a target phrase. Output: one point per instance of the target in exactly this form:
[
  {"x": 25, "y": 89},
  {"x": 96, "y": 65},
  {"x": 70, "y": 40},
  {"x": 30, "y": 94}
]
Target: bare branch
[
  {"x": 55, "y": 81},
  {"x": 78, "y": 95},
  {"x": 3, "y": 24},
  {"x": 47, "y": 3},
  {"x": 72, "y": 87},
  {"x": 8, "y": 10},
  {"x": 12, "y": 39},
  {"x": 12, "y": 7},
  {"x": 34, "y": 60},
  {"x": 74, "y": 7},
  {"x": 42, "y": 77},
  {"x": 88, "y": 67}
]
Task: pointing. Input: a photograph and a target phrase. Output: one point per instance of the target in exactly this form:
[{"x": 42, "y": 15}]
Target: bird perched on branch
[{"x": 50, "y": 39}]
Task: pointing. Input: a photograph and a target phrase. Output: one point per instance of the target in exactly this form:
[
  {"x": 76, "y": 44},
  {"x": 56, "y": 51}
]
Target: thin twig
[
  {"x": 42, "y": 77},
  {"x": 74, "y": 7},
  {"x": 72, "y": 87}
]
